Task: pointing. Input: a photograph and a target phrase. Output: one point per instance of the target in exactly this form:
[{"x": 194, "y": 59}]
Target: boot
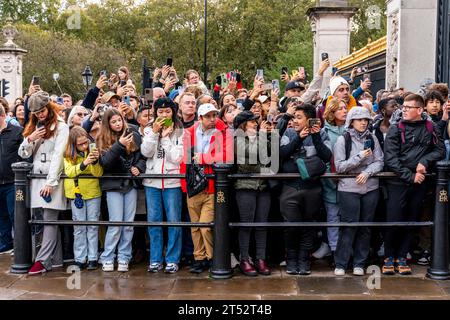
[
  {"x": 291, "y": 261},
  {"x": 304, "y": 262}
]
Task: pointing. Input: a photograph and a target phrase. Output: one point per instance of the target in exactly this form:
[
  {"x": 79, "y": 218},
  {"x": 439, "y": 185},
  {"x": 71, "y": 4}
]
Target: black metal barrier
[{"x": 221, "y": 265}]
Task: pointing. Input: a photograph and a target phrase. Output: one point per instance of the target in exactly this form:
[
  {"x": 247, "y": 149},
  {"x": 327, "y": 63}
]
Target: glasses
[
  {"x": 408, "y": 108},
  {"x": 81, "y": 115},
  {"x": 83, "y": 143},
  {"x": 36, "y": 113}
]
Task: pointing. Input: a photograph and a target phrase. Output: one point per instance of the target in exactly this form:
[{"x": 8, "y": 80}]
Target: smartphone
[
  {"x": 126, "y": 100},
  {"x": 324, "y": 56},
  {"x": 122, "y": 83},
  {"x": 127, "y": 131},
  {"x": 276, "y": 84},
  {"x": 103, "y": 73},
  {"x": 35, "y": 81},
  {"x": 313, "y": 121},
  {"x": 334, "y": 70},
  {"x": 267, "y": 87},
  {"x": 169, "y": 61},
  {"x": 148, "y": 96},
  {"x": 224, "y": 81},
  {"x": 168, "y": 122},
  {"x": 302, "y": 70},
  {"x": 47, "y": 199},
  {"x": 92, "y": 146},
  {"x": 366, "y": 76},
  {"x": 270, "y": 118},
  {"x": 232, "y": 76},
  {"x": 39, "y": 125},
  {"x": 367, "y": 144},
  {"x": 260, "y": 73},
  {"x": 284, "y": 70}
]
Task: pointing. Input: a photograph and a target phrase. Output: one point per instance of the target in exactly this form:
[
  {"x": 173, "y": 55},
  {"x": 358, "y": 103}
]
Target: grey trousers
[{"x": 51, "y": 248}]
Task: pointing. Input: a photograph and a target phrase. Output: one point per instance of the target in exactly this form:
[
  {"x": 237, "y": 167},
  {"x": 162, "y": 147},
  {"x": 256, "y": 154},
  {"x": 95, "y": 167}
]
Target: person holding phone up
[
  {"x": 46, "y": 136},
  {"x": 356, "y": 152},
  {"x": 119, "y": 147}
]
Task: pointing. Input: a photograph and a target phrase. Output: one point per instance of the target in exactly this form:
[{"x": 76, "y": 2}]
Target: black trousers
[
  {"x": 404, "y": 204},
  {"x": 299, "y": 205}
]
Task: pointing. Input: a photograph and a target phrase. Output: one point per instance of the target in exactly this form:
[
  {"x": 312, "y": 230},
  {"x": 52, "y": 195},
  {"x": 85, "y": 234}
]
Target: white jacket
[
  {"x": 48, "y": 159},
  {"x": 164, "y": 156}
]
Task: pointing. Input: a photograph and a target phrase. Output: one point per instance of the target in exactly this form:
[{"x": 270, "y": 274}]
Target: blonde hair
[{"x": 331, "y": 108}]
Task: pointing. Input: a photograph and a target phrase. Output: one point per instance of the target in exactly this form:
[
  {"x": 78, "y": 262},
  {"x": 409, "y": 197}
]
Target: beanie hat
[{"x": 335, "y": 83}]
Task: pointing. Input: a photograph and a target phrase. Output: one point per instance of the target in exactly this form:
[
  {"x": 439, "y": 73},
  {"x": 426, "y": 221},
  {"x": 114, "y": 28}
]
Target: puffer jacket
[
  {"x": 164, "y": 156},
  {"x": 89, "y": 188},
  {"x": 329, "y": 185},
  {"x": 10, "y": 140},
  {"x": 403, "y": 158},
  {"x": 247, "y": 153},
  {"x": 355, "y": 164}
]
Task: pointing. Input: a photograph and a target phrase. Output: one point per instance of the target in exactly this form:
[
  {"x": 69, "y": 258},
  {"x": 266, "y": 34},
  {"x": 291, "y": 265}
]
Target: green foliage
[{"x": 243, "y": 34}]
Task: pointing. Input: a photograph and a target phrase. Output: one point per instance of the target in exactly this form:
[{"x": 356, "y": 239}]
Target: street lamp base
[
  {"x": 221, "y": 274},
  {"x": 438, "y": 274},
  {"x": 20, "y": 268}
]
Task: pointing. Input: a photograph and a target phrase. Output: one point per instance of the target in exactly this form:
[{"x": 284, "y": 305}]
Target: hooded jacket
[
  {"x": 418, "y": 148},
  {"x": 89, "y": 188},
  {"x": 164, "y": 156},
  {"x": 10, "y": 140}
]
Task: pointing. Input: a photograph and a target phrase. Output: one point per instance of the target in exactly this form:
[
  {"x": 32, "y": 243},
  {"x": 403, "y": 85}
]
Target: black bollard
[
  {"x": 22, "y": 230},
  {"x": 439, "y": 269},
  {"x": 221, "y": 266}
]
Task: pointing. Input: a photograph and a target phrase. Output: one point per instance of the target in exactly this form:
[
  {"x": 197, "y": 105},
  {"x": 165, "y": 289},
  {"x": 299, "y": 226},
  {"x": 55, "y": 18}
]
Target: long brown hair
[
  {"x": 52, "y": 118},
  {"x": 331, "y": 108},
  {"x": 71, "y": 148},
  {"x": 107, "y": 137}
]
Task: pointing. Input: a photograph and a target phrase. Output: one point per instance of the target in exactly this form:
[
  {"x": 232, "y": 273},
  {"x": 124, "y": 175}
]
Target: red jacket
[{"x": 219, "y": 152}]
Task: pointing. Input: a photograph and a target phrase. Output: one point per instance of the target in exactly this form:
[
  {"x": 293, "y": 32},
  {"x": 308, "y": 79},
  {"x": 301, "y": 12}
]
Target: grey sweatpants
[{"x": 51, "y": 248}]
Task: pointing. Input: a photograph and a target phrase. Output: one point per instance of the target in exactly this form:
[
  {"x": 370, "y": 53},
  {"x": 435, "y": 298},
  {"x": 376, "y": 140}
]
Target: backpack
[
  {"x": 348, "y": 144},
  {"x": 428, "y": 125}
]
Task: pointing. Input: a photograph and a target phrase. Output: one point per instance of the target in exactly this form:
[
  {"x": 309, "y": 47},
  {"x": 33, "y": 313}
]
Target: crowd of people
[{"x": 179, "y": 126}]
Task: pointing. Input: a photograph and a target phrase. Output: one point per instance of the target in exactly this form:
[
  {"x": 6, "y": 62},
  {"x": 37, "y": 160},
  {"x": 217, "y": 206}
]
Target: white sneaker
[
  {"x": 7, "y": 251},
  {"x": 283, "y": 263},
  {"x": 108, "y": 267},
  {"x": 123, "y": 267},
  {"x": 234, "y": 261},
  {"x": 322, "y": 252},
  {"x": 358, "y": 271},
  {"x": 339, "y": 272}
]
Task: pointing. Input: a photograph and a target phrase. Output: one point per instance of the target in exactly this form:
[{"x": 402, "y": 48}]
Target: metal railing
[{"x": 221, "y": 265}]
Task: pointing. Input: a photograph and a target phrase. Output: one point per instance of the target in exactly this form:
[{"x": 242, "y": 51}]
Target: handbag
[
  {"x": 196, "y": 180},
  {"x": 311, "y": 168}
]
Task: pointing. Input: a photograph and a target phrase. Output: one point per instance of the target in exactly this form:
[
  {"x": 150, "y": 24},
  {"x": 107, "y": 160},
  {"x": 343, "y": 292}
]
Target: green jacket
[{"x": 252, "y": 159}]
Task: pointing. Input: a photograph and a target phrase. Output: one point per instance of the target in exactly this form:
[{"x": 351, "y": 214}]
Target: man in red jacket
[{"x": 207, "y": 138}]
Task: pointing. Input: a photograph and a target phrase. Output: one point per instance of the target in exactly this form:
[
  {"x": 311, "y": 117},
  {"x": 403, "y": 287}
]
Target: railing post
[
  {"x": 221, "y": 266},
  {"x": 439, "y": 269},
  {"x": 22, "y": 229}
]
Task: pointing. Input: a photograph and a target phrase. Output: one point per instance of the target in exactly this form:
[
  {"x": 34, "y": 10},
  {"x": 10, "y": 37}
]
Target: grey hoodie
[{"x": 355, "y": 164}]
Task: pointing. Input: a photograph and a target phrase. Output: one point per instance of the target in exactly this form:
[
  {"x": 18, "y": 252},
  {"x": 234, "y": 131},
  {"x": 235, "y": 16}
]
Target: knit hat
[
  {"x": 38, "y": 101},
  {"x": 335, "y": 83}
]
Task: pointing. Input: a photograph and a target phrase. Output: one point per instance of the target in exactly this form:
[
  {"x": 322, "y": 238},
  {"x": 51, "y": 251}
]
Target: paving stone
[
  {"x": 9, "y": 294},
  {"x": 214, "y": 297},
  {"x": 332, "y": 286},
  {"x": 257, "y": 285},
  {"x": 408, "y": 287}
]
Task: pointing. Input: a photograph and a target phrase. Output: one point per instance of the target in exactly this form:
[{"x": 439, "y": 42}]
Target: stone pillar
[
  {"x": 330, "y": 23},
  {"x": 11, "y": 63},
  {"x": 411, "y": 43}
]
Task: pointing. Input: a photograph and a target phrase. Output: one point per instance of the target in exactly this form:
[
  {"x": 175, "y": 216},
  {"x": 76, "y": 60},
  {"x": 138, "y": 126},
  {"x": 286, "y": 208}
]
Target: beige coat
[{"x": 48, "y": 159}]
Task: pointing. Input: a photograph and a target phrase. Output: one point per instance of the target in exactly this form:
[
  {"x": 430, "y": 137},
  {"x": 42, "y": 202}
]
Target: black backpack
[{"x": 348, "y": 144}]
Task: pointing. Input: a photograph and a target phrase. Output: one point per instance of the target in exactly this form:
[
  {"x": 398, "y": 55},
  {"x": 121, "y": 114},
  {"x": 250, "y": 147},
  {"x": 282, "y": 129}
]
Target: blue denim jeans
[
  {"x": 85, "y": 244},
  {"x": 121, "y": 207},
  {"x": 332, "y": 216},
  {"x": 6, "y": 216},
  {"x": 171, "y": 198}
]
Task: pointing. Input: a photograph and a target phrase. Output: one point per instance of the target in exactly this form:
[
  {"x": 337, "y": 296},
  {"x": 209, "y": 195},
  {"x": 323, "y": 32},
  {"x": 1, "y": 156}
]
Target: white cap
[
  {"x": 206, "y": 108},
  {"x": 336, "y": 82}
]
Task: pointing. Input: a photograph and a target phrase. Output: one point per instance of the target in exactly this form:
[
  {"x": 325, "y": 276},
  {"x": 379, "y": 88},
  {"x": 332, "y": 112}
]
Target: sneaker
[
  {"x": 339, "y": 272},
  {"x": 381, "y": 251},
  {"x": 12, "y": 252},
  {"x": 357, "y": 271},
  {"x": 122, "y": 267},
  {"x": 283, "y": 263},
  {"x": 92, "y": 265},
  {"x": 155, "y": 267},
  {"x": 322, "y": 252},
  {"x": 80, "y": 265},
  {"x": 388, "y": 266},
  {"x": 402, "y": 267},
  {"x": 37, "y": 268},
  {"x": 108, "y": 266},
  {"x": 197, "y": 267},
  {"x": 7, "y": 251},
  {"x": 171, "y": 268},
  {"x": 424, "y": 260},
  {"x": 234, "y": 261}
]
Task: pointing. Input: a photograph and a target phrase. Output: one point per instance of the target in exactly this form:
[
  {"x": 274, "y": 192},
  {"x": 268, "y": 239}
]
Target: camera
[{"x": 313, "y": 121}]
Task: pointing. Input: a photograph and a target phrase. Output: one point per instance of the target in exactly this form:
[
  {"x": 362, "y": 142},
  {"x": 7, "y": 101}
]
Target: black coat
[
  {"x": 418, "y": 148},
  {"x": 10, "y": 140},
  {"x": 116, "y": 161}
]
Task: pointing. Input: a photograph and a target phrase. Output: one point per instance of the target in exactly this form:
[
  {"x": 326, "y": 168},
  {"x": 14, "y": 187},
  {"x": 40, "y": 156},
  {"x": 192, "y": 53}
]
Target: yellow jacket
[{"x": 89, "y": 188}]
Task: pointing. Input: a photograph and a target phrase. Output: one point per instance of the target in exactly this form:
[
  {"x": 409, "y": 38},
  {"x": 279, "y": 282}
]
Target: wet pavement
[{"x": 138, "y": 284}]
